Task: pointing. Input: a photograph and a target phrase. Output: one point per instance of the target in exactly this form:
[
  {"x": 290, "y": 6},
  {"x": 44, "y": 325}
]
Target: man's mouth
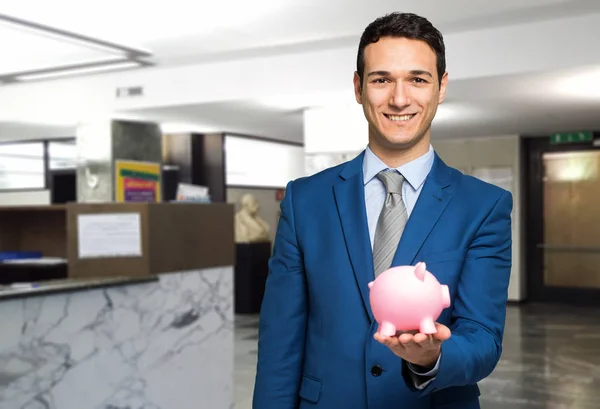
[{"x": 399, "y": 118}]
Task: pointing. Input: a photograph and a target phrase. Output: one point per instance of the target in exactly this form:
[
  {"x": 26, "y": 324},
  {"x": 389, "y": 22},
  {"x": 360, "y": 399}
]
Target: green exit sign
[{"x": 570, "y": 137}]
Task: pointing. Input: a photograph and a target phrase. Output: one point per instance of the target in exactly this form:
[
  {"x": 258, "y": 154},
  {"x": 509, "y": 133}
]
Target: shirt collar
[{"x": 415, "y": 172}]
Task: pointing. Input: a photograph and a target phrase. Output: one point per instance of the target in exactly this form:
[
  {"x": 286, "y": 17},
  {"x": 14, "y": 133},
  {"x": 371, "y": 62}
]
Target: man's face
[{"x": 400, "y": 92}]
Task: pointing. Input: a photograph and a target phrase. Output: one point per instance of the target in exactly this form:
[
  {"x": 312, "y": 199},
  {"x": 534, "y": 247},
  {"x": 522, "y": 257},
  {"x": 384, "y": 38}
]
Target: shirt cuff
[
  {"x": 422, "y": 379},
  {"x": 419, "y": 370}
]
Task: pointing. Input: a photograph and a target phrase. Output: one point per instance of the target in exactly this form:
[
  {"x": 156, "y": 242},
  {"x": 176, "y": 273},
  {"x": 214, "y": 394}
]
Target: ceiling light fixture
[
  {"x": 72, "y": 64},
  {"x": 68, "y": 36},
  {"x": 90, "y": 69},
  {"x": 127, "y": 57}
]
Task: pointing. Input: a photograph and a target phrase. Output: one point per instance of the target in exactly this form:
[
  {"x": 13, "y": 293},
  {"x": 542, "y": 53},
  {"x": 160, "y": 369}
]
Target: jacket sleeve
[
  {"x": 475, "y": 346},
  {"x": 283, "y": 319}
]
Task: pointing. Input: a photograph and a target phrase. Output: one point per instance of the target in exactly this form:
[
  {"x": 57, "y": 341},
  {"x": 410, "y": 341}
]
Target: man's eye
[
  {"x": 379, "y": 80},
  {"x": 420, "y": 81}
]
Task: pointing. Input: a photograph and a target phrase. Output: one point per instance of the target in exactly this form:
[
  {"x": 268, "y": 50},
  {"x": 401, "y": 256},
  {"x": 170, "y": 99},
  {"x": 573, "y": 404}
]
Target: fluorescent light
[
  {"x": 75, "y": 38},
  {"x": 76, "y": 71},
  {"x": 71, "y": 65}
]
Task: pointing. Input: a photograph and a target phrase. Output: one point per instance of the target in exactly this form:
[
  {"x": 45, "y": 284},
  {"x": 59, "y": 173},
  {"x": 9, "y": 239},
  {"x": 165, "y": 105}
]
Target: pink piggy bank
[{"x": 407, "y": 298}]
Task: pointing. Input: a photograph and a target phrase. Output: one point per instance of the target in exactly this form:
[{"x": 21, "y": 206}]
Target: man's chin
[
  {"x": 401, "y": 141},
  {"x": 397, "y": 140}
]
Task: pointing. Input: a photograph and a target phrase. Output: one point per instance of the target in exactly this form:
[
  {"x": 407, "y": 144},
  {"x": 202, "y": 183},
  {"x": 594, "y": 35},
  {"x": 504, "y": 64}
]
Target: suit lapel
[
  {"x": 350, "y": 201},
  {"x": 429, "y": 207}
]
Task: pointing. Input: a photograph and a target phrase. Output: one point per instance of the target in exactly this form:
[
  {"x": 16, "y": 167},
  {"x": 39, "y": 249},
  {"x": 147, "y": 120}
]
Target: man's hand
[{"x": 418, "y": 349}]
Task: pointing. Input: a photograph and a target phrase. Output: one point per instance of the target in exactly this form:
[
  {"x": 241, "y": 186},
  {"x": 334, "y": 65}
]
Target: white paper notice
[{"x": 109, "y": 235}]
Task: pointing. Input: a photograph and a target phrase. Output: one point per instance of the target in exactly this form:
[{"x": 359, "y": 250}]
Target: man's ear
[
  {"x": 357, "y": 88},
  {"x": 443, "y": 86}
]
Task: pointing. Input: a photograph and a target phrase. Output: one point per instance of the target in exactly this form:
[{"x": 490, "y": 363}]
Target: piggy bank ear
[
  {"x": 371, "y": 284},
  {"x": 420, "y": 271}
]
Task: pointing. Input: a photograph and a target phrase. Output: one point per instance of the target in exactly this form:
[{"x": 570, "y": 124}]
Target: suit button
[{"x": 376, "y": 370}]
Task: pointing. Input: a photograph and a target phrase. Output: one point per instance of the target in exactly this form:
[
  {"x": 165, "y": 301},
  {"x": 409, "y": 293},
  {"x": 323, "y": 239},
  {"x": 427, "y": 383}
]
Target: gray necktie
[{"x": 391, "y": 222}]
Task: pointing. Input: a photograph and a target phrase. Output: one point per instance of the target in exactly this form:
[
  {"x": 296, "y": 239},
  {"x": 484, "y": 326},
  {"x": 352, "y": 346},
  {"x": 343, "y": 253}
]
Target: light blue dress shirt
[{"x": 415, "y": 173}]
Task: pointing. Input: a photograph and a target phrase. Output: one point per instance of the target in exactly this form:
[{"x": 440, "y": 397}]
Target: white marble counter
[{"x": 165, "y": 344}]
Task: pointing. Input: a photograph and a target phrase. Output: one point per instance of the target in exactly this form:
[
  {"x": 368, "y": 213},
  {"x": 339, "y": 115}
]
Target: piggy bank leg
[
  {"x": 428, "y": 326},
  {"x": 387, "y": 328}
]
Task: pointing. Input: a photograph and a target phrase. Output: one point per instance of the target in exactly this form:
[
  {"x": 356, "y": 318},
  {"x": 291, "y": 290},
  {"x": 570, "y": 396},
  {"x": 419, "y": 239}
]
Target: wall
[
  {"x": 14, "y": 131},
  {"x": 493, "y": 152},
  {"x": 269, "y": 206},
  {"x": 322, "y": 134},
  {"x": 26, "y": 197},
  {"x": 253, "y": 162},
  {"x": 465, "y": 154},
  {"x": 328, "y": 142}
]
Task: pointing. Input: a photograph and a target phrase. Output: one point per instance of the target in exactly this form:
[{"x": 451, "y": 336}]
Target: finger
[
  {"x": 394, "y": 342},
  {"x": 406, "y": 339},
  {"x": 442, "y": 333},
  {"x": 385, "y": 340},
  {"x": 423, "y": 339},
  {"x": 430, "y": 343}
]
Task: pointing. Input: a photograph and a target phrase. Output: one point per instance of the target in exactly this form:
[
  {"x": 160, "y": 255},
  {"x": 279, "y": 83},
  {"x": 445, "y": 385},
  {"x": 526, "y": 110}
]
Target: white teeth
[{"x": 400, "y": 117}]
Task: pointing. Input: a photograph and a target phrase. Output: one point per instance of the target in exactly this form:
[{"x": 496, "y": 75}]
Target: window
[
  {"x": 62, "y": 154},
  {"x": 22, "y": 166}
]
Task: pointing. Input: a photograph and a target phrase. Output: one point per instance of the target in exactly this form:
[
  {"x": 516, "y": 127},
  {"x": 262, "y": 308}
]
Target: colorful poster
[{"x": 137, "y": 181}]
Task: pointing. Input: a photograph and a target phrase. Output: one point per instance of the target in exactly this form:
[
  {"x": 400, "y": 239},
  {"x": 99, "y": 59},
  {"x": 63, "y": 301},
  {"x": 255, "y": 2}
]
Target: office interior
[{"x": 242, "y": 100}]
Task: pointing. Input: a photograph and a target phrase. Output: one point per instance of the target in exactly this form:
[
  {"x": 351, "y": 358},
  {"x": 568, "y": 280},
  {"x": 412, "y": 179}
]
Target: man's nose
[{"x": 399, "y": 97}]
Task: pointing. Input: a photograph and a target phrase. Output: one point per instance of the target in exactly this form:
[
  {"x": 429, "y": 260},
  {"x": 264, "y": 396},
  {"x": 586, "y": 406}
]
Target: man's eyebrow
[
  {"x": 380, "y": 73},
  {"x": 421, "y": 72},
  {"x": 412, "y": 72}
]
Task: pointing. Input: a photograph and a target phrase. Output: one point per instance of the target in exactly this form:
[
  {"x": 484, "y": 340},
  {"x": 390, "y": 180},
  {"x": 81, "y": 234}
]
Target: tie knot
[{"x": 392, "y": 180}]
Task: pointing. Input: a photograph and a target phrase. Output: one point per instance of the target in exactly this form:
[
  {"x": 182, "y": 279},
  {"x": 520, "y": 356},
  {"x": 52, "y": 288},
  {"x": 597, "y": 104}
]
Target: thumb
[{"x": 443, "y": 332}]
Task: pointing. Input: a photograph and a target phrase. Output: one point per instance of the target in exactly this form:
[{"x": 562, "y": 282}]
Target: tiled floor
[
  {"x": 246, "y": 337},
  {"x": 551, "y": 360}
]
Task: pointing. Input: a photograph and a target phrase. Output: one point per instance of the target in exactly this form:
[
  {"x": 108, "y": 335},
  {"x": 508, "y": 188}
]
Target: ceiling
[
  {"x": 180, "y": 32},
  {"x": 241, "y": 117},
  {"x": 537, "y": 103}
]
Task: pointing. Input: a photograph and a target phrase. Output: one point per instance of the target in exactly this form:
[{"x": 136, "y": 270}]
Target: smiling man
[{"x": 397, "y": 203}]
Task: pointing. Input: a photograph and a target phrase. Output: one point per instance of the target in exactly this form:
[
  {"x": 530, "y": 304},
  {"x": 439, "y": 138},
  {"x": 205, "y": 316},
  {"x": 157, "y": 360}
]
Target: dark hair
[{"x": 405, "y": 25}]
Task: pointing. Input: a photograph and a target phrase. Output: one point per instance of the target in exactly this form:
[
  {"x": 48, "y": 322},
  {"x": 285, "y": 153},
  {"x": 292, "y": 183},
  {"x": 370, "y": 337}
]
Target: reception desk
[{"x": 152, "y": 339}]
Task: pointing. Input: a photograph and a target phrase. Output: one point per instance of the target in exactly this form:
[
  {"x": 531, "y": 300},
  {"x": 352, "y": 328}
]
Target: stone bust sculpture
[{"x": 249, "y": 227}]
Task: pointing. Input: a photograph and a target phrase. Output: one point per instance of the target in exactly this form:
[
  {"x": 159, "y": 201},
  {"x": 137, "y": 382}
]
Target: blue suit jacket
[{"x": 316, "y": 346}]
